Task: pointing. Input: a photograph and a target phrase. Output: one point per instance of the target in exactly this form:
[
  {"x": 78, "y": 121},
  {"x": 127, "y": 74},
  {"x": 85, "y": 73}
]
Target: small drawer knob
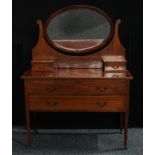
[
  {"x": 101, "y": 104},
  {"x": 115, "y": 67},
  {"x": 115, "y": 75}
]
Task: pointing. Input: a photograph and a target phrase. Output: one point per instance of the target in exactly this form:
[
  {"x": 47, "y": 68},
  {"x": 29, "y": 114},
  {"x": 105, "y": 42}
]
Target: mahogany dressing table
[{"x": 78, "y": 65}]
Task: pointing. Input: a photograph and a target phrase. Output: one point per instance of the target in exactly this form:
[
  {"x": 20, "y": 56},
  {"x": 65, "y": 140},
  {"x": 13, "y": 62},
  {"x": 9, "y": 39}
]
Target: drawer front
[
  {"x": 102, "y": 87},
  {"x": 115, "y": 75},
  {"x": 77, "y": 103},
  {"x": 115, "y": 68},
  {"x": 50, "y": 86}
]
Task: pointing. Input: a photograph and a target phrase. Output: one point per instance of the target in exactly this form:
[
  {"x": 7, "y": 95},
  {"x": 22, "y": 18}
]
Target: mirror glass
[{"x": 78, "y": 30}]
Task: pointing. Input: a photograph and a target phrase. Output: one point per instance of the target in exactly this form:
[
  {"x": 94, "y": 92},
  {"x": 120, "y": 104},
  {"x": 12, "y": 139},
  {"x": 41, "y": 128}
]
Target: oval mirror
[{"x": 78, "y": 29}]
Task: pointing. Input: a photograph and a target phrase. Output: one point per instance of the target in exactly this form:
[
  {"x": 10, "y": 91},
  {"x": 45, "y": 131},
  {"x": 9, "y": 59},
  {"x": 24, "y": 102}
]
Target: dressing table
[{"x": 78, "y": 65}]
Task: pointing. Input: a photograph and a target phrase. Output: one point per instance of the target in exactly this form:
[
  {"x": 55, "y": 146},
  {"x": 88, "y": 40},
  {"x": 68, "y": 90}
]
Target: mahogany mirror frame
[{"x": 82, "y": 51}]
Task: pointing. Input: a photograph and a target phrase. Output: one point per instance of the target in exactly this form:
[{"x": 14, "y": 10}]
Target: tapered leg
[
  {"x": 34, "y": 120},
  {"x": 29, "y": 135},
  {"x": 125, "y": 129},
  {"x": 121, "y": 122}
]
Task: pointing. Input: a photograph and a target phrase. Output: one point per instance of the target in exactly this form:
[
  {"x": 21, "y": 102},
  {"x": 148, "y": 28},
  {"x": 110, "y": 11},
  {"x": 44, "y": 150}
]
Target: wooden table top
[{"x": 78, "y": 73}]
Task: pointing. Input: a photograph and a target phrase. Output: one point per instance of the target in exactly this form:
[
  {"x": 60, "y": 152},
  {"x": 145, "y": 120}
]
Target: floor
[{"x": 78, "y": 142}]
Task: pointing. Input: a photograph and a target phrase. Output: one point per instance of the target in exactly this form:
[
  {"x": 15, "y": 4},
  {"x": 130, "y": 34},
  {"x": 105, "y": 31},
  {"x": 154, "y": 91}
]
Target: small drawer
[
  {"x": 115, "y": 75},
  {"x": 98, "y": 87},
  {"x": 114, "y": 68},
  {"x": 50, "y": 86},
  {"x": 77, "y": 103}
]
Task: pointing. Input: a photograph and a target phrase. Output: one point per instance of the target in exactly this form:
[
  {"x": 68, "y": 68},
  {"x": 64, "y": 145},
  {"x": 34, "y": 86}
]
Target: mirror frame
[{"x": 84, "y": 51}]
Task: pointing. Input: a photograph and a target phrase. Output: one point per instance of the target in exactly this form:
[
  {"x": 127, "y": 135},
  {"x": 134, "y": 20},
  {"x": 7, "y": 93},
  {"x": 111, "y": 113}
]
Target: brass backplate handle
[
  {"x": 52, "y": 103},
  {"x": 50, "y": 88},
  {"x": 101, "y": 88},
  {"x": 101, "y": 104}
]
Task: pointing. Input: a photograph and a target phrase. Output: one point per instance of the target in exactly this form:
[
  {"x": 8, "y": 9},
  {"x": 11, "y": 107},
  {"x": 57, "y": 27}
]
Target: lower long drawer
[{"x": 77, "y": 103}]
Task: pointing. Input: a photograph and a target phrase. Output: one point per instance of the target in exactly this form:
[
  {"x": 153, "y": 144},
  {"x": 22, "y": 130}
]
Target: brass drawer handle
[
  {"x": 101, "y": 88},
  {"x": 52, "y": 103},
  {"x": 50, "y": 88},
  {"x": 101, "y": 104},
  {"x": 115, "y": 67}
]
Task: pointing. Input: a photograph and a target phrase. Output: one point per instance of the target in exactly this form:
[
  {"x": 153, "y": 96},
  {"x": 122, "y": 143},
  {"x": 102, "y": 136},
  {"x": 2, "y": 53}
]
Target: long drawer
[
  {"x": 77, "y": 103},
  {"x": 78, "y": 87}
]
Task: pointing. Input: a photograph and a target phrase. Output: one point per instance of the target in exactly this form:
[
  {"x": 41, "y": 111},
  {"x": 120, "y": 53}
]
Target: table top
[{"x": 77, "y": 73}]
